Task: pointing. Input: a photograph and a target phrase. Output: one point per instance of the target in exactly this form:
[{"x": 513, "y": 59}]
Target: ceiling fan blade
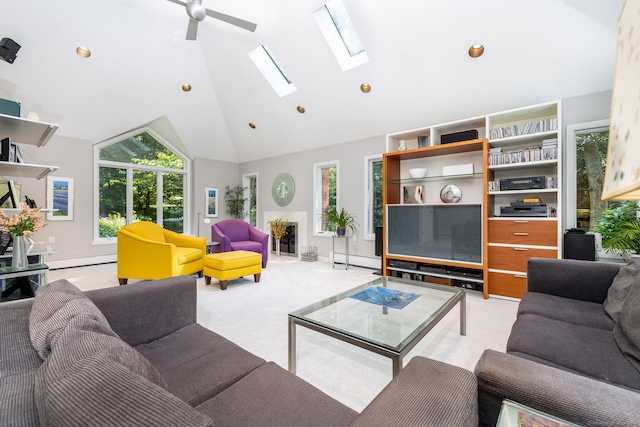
[
  {"x": 231, "y": 20},
  {"x": 192, "y": 30},
  {"x": 181, "y": 3}
]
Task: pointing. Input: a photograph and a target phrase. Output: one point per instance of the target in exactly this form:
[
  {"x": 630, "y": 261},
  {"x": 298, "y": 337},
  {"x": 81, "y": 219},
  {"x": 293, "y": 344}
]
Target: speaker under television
[{"x": 378, "y": 248}]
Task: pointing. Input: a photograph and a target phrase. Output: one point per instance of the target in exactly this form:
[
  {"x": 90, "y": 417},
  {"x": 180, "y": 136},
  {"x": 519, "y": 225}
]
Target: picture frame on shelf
[
  {"x": 60, "y": 198},
  {"x": 413, "y": 194},
  {"x": 211, "y": 200},
  {"x": 12, "y": 153}
]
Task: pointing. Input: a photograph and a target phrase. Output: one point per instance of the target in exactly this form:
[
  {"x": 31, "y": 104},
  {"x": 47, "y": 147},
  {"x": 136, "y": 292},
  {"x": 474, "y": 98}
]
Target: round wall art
[
  {"x": 450, "y": 193},
  {"x": 283, "y": 189}
]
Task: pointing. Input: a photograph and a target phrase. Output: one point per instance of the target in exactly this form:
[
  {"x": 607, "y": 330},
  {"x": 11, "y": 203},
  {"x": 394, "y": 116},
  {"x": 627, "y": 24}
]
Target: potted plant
[
  {"x": 620, "y": 229},
  {"x": 343, "y": 220},
  {"x": 235, "y": 198}
]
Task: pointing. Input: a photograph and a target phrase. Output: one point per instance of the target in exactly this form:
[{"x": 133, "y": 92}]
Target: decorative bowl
[{"x": 418, "y": 172}]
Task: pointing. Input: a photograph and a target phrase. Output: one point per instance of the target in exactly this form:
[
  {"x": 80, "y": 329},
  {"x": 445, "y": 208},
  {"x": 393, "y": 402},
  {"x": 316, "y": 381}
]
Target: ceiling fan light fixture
[
  {"x": 195, "y": 10},
  {"x": 186, "y": 87},
  {"x": 365, "y": 87},
  {"x": 300, "y": 109},
  {"x": 476, "y": 50},
  {"x": 252, "y": 126},
  {"x": 83, "y": 51}
]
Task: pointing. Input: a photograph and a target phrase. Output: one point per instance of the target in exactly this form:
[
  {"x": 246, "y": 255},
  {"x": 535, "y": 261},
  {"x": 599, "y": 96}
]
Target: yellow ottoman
[{"x": 232, "y": 265}]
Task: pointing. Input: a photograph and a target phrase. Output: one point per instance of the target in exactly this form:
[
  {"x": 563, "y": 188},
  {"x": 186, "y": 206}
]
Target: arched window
[{"x": 140, "y": 177}]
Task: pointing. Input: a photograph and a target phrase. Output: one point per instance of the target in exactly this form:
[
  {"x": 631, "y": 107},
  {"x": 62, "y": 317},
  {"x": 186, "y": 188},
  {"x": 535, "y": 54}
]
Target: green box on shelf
[{"x": 10, "y": 108}]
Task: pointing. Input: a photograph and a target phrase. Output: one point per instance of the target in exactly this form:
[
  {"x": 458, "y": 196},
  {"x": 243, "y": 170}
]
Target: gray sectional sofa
[
  {"x": 134, "y": 355},
  {"x": 574, "y": 350}
]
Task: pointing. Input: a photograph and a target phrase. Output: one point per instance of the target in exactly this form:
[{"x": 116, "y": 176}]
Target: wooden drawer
[
  {"x": 524, "y": 232},
  {"x": 515, "y": 258},
  {"x": 508, "y": 285}
]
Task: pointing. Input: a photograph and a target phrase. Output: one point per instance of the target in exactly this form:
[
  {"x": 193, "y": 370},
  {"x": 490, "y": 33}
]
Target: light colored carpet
[{"x": 254, "y": 316}]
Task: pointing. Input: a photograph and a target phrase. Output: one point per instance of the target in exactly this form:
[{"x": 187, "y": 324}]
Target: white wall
[{"x": 73, "y": 239}]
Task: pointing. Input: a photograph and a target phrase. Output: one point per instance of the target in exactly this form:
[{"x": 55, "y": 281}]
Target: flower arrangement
[
  {"x": 23, "y": 223},
  {"x": 279, "y": 227}
]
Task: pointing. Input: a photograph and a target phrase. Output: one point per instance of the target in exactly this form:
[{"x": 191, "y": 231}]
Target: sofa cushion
[
  {"x": 620, "y": 287},
  {"x": 272, "y": 396},
  {"x": 585, "y": 350},
  {"x": 19, "y": 363},
  {"x": 187, "y": 255},
  {"x": 89, "y": 375},
  {"x": 210, "y": 365},
  {"x": 566, "y": 309},
  {"x": 627, "y": 330},
  {"x": 247, "y": 245}
]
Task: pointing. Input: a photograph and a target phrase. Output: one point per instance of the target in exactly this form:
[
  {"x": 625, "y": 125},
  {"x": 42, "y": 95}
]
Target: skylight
[
  {"x": 338, "y": 30},
  {"x": 272, "y": 70}
]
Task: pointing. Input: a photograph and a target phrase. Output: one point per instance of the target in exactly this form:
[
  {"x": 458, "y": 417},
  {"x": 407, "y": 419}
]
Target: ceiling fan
[{"x": 197, "y": 13}]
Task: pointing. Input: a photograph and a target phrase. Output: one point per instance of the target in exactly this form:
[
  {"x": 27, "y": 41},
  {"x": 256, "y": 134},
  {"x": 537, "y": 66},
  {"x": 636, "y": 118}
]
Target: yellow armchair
[{"x": 148, "y": 251}]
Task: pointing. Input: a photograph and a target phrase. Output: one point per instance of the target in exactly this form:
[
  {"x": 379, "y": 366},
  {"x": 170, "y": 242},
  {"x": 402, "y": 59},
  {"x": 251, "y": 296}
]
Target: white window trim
[
  {"x": 186, "y": 171},
  {"x": 317, "y": 195},
  {"x": 368, "y": 194}
]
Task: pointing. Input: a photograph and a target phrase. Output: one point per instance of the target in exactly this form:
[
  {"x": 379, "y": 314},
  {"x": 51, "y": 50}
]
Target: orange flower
[{"x": 23, "y": 223}]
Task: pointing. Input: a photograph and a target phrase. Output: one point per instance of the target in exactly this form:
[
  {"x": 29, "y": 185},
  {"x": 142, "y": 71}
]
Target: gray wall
[{"x": 73, "y": 239}]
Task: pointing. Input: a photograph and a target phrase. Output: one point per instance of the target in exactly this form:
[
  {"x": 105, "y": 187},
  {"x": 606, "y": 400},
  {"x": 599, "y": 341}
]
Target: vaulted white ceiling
[{"x": 536, "y": 51}]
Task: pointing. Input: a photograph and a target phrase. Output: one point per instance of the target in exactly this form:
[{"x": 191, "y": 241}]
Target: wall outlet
[{"x": 52, "y": 239}]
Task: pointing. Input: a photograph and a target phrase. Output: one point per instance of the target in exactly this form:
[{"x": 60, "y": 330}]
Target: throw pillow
[
  {"x": 627, "y": 330},
  {"x": 619, "y": 288},
  {"x": 63, "y": 317}
]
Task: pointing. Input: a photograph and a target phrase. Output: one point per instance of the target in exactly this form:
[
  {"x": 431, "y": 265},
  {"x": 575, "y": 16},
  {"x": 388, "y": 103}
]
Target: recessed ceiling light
[
  {"x": 83, "y": 51},
  {"x": 476, "y": 50},
  {"x": 300, "y": 109},
  {"x": 252, "y": 126},
  {"x": 186, "y": 87},
  {"x": 365, "y": 87}
]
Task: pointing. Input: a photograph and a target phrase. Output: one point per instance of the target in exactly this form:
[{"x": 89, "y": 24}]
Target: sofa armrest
[
  {"x": 258, "y": 236},
  {"x": 571, "y": 397},
  {"x": 146, "y": 311},
  {"x": 184, "y": 241},
  {"x": 425, "y": 393},
  {"x": 223, "y": 240},
  {"x": 581, "y": 280}
]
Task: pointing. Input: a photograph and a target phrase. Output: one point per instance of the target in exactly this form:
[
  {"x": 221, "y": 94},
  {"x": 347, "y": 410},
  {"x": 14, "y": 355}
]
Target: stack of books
[{"x": 528, "y": 128}]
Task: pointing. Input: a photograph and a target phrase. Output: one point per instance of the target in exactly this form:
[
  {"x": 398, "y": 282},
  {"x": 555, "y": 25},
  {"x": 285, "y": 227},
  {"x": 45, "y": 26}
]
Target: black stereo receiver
[
  {"x": 528, "y": 183},
  {"x": 524, "y": 211}
]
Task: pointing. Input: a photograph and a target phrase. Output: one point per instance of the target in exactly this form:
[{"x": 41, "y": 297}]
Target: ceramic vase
[
  {"x": 278, "y": 248},
  {"x": 19, "y": 260},
  {"x": 341, "y": 231}
]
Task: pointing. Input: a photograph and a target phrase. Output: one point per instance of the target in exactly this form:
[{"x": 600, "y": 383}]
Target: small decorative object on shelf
[
  {"x": 451, "y": 193},
  {"x": 21, "y": 226},
  {"x": 402, "y": 145}
]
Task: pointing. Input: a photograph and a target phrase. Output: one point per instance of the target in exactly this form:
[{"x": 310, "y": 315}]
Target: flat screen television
[{"x": 446, "y": 232}]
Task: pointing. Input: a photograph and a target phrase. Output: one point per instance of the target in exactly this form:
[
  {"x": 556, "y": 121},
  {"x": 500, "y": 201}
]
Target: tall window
[
  {"x": 250, "y": 181},
  {"x": 591, "y": 159},
  {"x": 140, "y": 177},
  {"x": 325, "y": 194},
  {"x": 373, "y": 195}
]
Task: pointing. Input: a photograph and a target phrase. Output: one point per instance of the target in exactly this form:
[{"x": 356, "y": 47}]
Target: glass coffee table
[{"x": 387, "y": 316}]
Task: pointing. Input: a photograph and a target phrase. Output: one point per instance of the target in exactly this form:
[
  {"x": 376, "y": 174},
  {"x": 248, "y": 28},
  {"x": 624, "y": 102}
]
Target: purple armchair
[{"x": 237, "y": 235}]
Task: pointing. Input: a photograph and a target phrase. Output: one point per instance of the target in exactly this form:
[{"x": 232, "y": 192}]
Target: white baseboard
[
  {"x": 358, "y": 260},
  {"x": 79, "y": 262}
]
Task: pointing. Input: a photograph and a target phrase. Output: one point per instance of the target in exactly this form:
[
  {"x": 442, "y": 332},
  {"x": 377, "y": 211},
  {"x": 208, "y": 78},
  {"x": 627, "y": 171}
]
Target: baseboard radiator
[{"x": 357, "y": 260}]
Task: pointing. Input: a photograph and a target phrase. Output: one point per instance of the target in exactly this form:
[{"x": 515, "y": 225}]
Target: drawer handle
[
  {"x": 520, "y": 234},
  {"x": 521, "y": 221},
  {"x": 520, "y": 276},
  {"x": 520, "y": 249}
]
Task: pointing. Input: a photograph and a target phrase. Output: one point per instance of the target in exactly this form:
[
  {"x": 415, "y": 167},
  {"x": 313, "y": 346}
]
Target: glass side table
[
  {"x": 346, "y": 238},
  {"x": 513, "y": 414}
]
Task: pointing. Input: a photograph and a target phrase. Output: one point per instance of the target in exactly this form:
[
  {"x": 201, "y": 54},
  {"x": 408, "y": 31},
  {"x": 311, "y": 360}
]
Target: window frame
[
  {"x": 246, "y": 182},
  {"x": 130, "y": 167},
  {"x": 369, "y": 232},
  {"x": 317, "y": 195}
]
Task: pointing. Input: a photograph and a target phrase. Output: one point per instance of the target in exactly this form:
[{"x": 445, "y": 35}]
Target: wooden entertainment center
[{"x": 514, "y": 164}]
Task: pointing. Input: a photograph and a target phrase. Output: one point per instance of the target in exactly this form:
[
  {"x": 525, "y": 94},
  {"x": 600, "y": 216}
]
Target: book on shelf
[{"x": 544, "y": 125}]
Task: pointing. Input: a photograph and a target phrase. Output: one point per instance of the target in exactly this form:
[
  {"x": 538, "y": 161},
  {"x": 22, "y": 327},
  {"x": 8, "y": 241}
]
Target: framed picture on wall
[
  {"x": 211, "y": 202},
  {"x": 60, "y": 198}
]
